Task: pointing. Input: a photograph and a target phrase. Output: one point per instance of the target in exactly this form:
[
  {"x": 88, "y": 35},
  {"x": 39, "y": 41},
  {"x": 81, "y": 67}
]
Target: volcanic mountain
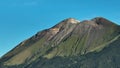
[{"x": 91, "y": 43}]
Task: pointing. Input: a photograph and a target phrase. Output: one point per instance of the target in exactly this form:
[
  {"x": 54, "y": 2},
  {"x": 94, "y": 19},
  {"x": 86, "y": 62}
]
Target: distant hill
[{"x": 91, "y": 43}]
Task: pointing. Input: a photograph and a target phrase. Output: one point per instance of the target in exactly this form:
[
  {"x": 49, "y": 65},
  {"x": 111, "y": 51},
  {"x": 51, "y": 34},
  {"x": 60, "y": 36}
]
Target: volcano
[{"x": 71, "y": 43}]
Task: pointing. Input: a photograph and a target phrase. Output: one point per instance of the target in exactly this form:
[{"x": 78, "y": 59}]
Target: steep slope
[
  {"x": 39, "y": 43},
  {"x": 70, "y": 41},
  {"x": 86, "y": 37},
  {"x": 109, "y": 57}
]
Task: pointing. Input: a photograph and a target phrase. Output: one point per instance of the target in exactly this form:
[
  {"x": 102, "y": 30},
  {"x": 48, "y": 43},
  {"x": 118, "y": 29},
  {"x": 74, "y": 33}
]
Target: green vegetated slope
[
  {"x": 109, "y": 57},
  {"x": 69, "y": 44}
]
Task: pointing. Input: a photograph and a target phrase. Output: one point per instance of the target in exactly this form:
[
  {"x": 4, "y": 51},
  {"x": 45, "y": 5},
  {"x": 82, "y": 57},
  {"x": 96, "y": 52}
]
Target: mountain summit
[{"x": 91, "y": 43}]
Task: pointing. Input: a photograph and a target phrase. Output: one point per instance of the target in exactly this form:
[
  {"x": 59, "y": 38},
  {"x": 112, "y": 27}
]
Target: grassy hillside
[{"x": 107, "y": 58}]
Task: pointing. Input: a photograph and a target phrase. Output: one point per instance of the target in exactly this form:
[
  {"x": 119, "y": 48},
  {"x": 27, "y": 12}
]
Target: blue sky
[{"x": 20, "y": 19}]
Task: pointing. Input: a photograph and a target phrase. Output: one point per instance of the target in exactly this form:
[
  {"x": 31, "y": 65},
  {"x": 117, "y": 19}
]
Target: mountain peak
[
  {"x": 66, "y": 22},
  {"x": 99, "y": 18},
  {"x": 96, "y": 19},
  {"x": 72, "y": 20},
  {"x": 102, "y": 21}
]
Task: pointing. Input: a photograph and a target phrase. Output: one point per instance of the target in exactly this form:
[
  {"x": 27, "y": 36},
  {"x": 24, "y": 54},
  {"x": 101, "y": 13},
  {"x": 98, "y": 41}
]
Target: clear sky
[{"x": 20, "y": 19}]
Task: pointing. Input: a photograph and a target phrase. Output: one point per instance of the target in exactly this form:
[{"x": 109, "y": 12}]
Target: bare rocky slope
[{"x": 91, "y": 43}]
